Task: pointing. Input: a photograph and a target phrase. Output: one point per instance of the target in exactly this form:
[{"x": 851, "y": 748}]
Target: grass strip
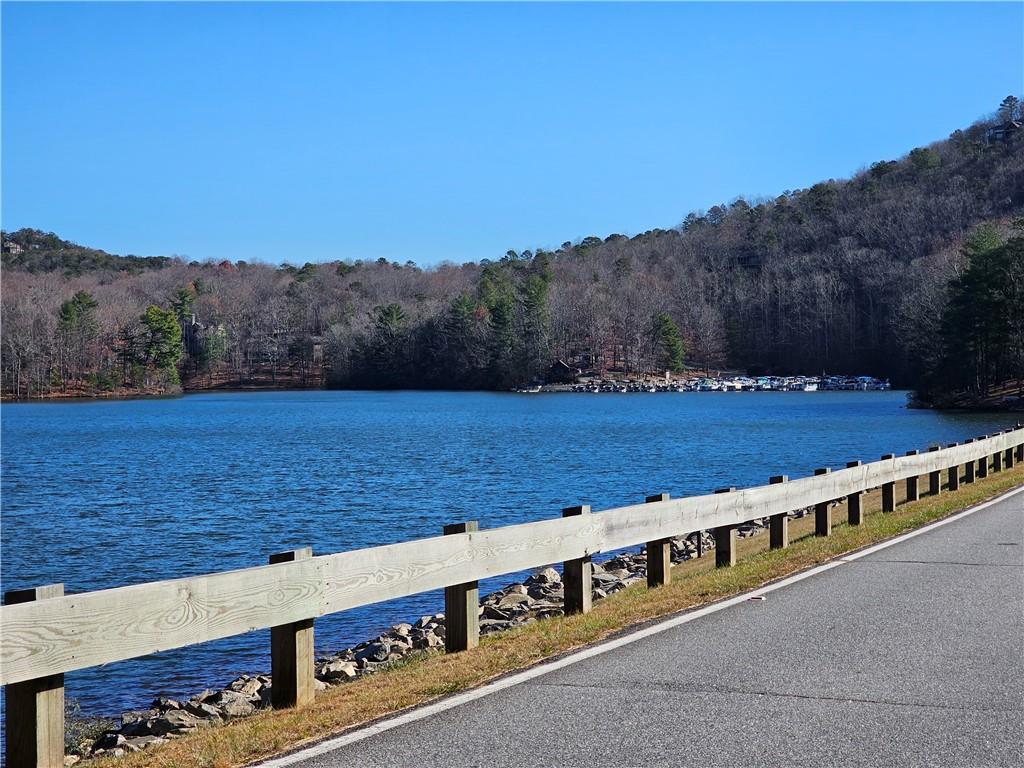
[{"x": 420, "y": 679}]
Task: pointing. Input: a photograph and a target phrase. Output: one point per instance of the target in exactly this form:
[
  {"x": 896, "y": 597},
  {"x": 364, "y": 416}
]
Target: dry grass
[{"x": 430, "y": 676}]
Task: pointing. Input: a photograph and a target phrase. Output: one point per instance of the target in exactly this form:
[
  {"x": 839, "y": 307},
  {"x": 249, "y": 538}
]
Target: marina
[{"x": 722, "y": 383}]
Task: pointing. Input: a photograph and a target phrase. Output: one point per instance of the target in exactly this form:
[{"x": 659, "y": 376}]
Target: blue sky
[{"x": 293, "y": 132}]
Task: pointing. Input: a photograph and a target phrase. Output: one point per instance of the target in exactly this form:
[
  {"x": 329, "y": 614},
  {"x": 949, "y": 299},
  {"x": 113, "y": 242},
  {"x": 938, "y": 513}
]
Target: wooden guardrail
[{"x": 45, "y": 633}]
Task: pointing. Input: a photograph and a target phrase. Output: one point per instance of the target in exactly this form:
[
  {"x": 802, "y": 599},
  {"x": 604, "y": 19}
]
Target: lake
[{"x": 105, "y": 493}]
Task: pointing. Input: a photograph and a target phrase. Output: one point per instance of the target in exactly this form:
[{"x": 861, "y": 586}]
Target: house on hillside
[{"x": 1003, "y": 132}]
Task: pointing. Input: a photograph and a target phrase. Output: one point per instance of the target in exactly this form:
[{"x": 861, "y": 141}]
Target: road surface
[{"x": 911, "y": 655}]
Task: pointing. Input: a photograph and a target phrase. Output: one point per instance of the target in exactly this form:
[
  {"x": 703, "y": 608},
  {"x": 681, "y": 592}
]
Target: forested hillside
[
  {"x": 865, "y": 275},
  {"x": 36, "y": 251}
]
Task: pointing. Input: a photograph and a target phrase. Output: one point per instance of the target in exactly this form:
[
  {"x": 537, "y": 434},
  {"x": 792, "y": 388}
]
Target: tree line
[
  {"x": 848, "y": 276},
  {"x": 978, "y": 350}
]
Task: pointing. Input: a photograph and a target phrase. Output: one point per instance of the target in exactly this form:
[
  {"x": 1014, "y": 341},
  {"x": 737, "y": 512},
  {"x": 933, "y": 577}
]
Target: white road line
[
  {"x": 931, "y": 526},
  {"x": 360, "y": 733}
]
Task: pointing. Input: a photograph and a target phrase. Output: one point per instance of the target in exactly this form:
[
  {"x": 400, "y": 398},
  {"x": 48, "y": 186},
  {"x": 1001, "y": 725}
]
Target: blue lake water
[{"x": 107, "y": 493}]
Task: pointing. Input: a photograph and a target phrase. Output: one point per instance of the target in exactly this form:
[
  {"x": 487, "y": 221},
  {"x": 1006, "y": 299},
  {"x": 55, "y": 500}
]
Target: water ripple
[{"x": 107, "y": 493}]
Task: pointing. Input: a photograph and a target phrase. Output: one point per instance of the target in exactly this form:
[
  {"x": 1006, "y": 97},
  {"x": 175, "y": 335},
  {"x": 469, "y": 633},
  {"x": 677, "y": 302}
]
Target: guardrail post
[
  {"x": 997, "y": 461},
  {"x": 854, "y": 507},
  {"x": 935, "y": 477},
  {"x": 725, "y": 541},
  {"x": 577, "y": 574},
  {"x": 778, "y": 525},
  {"x": 1020, "y": 453},
  {"x": 659, "y": 553},
  {"x": 888, "y": 490},
  {"x": 971, "y": 467},
  {"x": 461, "y": 604},
  {"x": 291, "y": 652},
  {"x": 34, "y": 708},
  {"x": 913, "y": 491},
  {"x": 823, "y": 511},
  {"x": 953, "y": 473},
  {"x": 1008, "y": 458},
  {"x": 983, "y": 462}
]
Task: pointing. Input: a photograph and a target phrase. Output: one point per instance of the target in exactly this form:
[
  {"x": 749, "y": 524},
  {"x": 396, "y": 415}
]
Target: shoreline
[
  {"x": 538, "y": 596},
  {"x": 412, "y": 650},
  {"x": 556, "y": 389}
]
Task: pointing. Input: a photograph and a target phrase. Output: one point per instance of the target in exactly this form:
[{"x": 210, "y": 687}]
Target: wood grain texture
[
  {"x": 461, "y": 604},
  {"x": 77, "y": 631},
  {"x": 778, "y": 524},
  {"x": 659, "y": 553},
  {"x": 577, "y": 575},
  {"x": 62, "y": 634},
  {"x": 35, "y": 708},
  {"x": 371, "y": 575},
  {"x": 292, "y": 657}
]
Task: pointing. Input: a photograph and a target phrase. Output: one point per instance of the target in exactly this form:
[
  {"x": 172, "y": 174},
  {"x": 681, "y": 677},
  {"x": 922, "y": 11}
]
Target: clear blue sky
[{"x": 291, "y": 132}]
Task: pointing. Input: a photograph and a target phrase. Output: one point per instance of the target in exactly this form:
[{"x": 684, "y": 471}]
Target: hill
[
  {"x": 851, "y": 276},
  {"x": 32, "y": 250}
]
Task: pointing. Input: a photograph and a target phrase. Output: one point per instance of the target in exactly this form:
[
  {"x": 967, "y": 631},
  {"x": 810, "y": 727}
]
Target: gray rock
[
  {"x": 373, "y": 652},
  {"x": 515, "y": 603},
  {"x": 142, "y": 742},
  {"x": 203, "y": 710},
  {"x": 176, "y": 721},
  {"x": 266, "y": 693},
  {"x": 338, "y": 670},
  {"x": 233, "y": 704},
  {"x": 163, "y": 704},
  {"x": 248, "y": 686},
  {"x": 546, "y": 576},
  {"x": 135, "y": 716},
  {"x": 545, "y": 605},
  {"x": 109, "y": 740},
  {"x": 496, "y": 614},
  {"x": 138, "y": 723},
  {"x": 401, "y": 645},
  {"x": 604, "y": 579},
  {"x": 427, "y": 641}
]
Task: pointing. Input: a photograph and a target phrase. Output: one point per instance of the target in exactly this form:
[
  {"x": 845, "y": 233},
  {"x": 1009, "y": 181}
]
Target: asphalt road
[{"x": 913, "y": 655}]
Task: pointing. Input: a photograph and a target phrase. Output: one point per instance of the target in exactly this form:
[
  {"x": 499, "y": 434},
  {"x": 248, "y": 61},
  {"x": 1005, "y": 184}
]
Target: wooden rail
[{"x": 48, "y": 633}]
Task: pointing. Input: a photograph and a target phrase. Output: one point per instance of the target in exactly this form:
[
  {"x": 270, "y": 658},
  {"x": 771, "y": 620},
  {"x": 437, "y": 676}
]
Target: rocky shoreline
[{"x": 538, "y": 597}]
